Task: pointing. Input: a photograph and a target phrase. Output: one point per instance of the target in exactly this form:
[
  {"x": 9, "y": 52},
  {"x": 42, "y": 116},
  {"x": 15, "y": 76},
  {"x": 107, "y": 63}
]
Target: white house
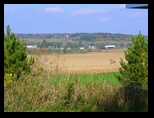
[
  {"x": 31, "y": 46},
  {"x": 91, "y": 47},
  {"x": 68, "y": 48},
  {"x": 81, "y": 48},
  {"x": 109, "y": 46}
]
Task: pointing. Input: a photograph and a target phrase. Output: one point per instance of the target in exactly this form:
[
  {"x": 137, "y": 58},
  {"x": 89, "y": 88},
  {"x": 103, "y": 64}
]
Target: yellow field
[{"x": 93, "y": 62}]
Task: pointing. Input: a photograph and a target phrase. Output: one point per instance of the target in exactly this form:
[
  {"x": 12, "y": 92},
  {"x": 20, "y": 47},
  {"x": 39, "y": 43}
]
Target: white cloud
[
  {"x": 10, "y": 11},
  {"x": 87, "y": 12},
  {"x": 136, "y": 14},
  {"x": 119, "y": 25},
  {"x": 104, "y": 19},
  {"x": 121, "y": 6},
  {"x": 24, "y": 19},
  {"x": 53, "y": 9}
]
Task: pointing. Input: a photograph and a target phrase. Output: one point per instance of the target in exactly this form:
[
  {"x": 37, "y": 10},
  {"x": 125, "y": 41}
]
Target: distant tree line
[{"x": 78, "y": 36}]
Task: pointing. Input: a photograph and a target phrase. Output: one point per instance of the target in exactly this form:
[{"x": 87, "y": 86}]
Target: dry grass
[
  {"x": 73, "y": 92},
  {"x": 69, "y": 95},
  {"x": 42, "y": 95},
  {"x": 93, "y": 62}
]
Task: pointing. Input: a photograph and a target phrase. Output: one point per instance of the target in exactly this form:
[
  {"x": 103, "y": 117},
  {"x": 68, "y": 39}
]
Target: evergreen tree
[
  {"x": 44, "y": 44},
  {"x": 135, "y": 71},
  {"x": 15, "y": 57}
]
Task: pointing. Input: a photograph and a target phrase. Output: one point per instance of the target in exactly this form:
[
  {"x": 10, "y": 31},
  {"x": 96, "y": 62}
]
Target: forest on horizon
[{"x": 76, "y": 36}]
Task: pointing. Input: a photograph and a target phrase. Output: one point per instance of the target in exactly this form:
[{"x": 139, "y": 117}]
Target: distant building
[
  {"x": 81, "y": 48},
  {"x": 31, "y": 46},
  {"x": 109, "y": 46},
  {"x": 68, "y": 48},
  {"x": 92, "y": 47}
]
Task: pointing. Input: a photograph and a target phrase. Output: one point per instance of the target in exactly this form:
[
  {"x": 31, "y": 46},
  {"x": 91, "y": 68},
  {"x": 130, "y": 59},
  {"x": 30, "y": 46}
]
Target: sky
[{"x": 75, "y": 18}]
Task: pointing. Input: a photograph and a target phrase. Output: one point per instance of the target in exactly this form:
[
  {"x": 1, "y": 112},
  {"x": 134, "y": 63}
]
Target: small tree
[
  {"x": 135, "y": 70},
  {"x": 44, "y": 44},
  {"x": 15, "y": 57}
]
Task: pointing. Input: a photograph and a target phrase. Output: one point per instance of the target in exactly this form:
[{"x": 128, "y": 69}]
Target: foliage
[
  {"x": 74, "y": 36},
  {"x": 134, "y": 72},
  {"x": 69, "y": 93},
  {"x": 99, "y": 45},
  {"x": 87, "y": 37},
  {"x": 15, "y": 57},
  {"x": 76, "y": 40},
  {"x": 44, "y": 44},
  {"x": 8, "y": 79}
]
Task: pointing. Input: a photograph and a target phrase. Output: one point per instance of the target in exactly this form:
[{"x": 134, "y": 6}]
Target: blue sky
[{"x": 75, "y": 18}]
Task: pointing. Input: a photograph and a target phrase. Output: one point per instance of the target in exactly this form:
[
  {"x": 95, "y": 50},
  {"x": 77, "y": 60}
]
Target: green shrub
[
  {"x": 9, "y": 78},
  {"x": 134, "y": 73},
  {"x": 135, "y": 70},
  {"x": 15, "y": 57}
]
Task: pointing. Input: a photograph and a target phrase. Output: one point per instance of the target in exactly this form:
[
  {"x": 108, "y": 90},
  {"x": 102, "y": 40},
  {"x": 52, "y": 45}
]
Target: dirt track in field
[{"x": 92, "y": 62}]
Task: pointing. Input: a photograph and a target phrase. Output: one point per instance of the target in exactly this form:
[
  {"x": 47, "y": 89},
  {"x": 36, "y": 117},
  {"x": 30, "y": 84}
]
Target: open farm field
[{"x": 91, "y": 62}]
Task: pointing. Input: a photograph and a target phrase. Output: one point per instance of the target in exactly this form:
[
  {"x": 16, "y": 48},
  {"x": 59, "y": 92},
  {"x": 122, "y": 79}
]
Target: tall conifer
[
  {"x": 135, "y": 70},
  {"x": 15, "y": 57}
]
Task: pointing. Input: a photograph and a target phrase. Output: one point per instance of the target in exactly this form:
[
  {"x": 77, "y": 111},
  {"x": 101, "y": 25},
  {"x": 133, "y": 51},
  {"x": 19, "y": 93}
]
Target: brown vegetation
[{"x": 92, "y": 62}]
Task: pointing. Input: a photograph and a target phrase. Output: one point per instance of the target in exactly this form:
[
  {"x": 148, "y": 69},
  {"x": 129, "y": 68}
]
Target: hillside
[{"x": 79, "y": 36}]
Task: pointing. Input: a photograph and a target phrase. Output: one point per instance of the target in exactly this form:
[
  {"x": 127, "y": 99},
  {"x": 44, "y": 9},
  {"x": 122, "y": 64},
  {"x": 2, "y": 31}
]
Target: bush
[
  {"x": 135, "y": 70},
  {"x": 134, "y": 73},
  {"x": 15, "y": 58}
]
